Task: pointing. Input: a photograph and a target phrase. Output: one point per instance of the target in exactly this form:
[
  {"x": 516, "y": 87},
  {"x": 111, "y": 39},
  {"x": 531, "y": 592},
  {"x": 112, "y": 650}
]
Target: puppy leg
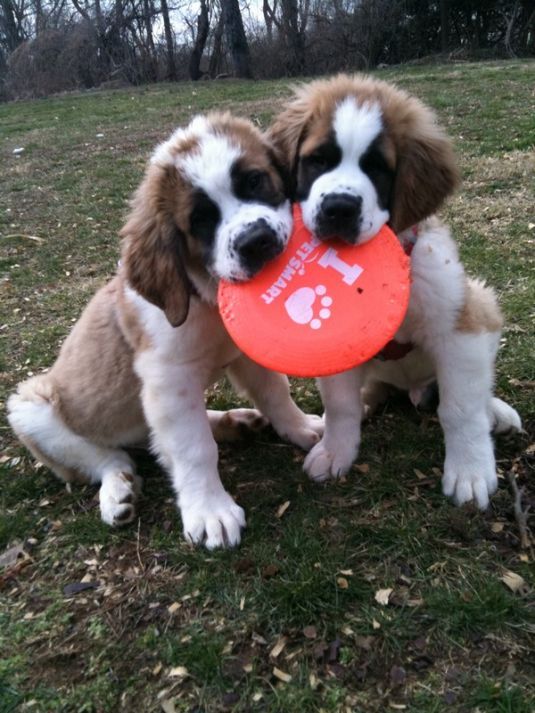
[
  {"x": 235, "y": 424},
  {"x": 465, "y": 369},
  {"x": 270, "y": 393},
  {"x": 338, "y": 449},
  {"x": 173, "y": 400},
  {"x": 373, "y": 394},
  {"x": 71, "y": 457}
]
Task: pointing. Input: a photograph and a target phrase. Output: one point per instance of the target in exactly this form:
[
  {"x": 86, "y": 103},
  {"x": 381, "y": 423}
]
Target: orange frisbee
[{"x": 320, "y": 308}]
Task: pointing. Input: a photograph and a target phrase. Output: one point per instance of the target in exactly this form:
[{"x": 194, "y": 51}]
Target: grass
[{"x": 452, "y": 637}]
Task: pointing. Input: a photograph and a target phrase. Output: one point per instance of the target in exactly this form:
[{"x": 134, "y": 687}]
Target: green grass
[{"x": 463, "y": 640}]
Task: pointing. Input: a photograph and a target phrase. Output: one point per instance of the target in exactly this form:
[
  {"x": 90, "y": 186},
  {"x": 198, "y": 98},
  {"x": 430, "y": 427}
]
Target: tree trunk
[
  {"x": 12, "y": 26},
  {"x": 203, "y": 25},
  {"x": 236, "y": 38},
  {"x": 171, "y": 67},
  {"x": 509, "y": 31},
  {"x": 269, "y": 18},
  {"x": 294, "y": 38},
  {"x": 445, "y": 25},
  {"x": 215, "y": 57}
]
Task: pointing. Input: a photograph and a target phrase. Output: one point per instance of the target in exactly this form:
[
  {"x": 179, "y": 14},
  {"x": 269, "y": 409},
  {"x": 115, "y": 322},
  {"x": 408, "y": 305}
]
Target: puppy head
[
  {"x": 363, "y": 153},
  {"x": 212, "y": 205}
]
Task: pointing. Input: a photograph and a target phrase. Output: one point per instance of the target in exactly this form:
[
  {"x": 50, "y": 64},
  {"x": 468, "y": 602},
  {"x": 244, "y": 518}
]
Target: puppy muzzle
[
  {"x": 340, "y": 216},
  {"x": 257, "y": 245}
]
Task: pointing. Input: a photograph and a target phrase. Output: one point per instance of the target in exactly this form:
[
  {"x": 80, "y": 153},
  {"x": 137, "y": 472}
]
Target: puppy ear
[
  {"x": 426, "y": 172},
  {"x": 153, "y": 250},
  {"x": 287, "y": 134}
]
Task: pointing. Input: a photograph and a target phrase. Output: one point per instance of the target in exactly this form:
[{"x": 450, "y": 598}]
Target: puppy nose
[
  {"x": 257, "y": 245},
  {"x": 341, "y": 208}
]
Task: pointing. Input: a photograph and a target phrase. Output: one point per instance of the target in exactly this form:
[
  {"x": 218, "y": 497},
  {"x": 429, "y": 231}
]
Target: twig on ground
[
  {"x": 28, "y": 237},
  {"x": 521, "y": 515},
  {"x": 137, "y": 546}
]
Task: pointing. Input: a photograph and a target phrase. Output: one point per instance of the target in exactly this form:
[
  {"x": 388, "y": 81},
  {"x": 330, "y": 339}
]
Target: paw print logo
[{"x": 302, "y": 306}]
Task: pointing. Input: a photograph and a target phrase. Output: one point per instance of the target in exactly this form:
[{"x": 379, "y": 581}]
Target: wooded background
[{"x": 49, "y": 46}]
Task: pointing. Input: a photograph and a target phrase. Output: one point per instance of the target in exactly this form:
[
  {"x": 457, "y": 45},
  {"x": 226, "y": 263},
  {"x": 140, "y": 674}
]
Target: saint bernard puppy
[
  {"x": 363, "y": 153},
  {"x": 212, "y": 205}
]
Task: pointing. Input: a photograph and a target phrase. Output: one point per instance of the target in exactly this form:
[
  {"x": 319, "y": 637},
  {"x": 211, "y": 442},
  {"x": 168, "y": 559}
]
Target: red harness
[{"x": 392, "y": 351}]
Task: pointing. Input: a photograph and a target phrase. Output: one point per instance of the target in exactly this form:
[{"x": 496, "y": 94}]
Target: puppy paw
[
  {"x": 329, "y": 461},
  {"x": 118, "y": 495},
  {"x": 504, "y": 418},
  {"x": 214, "y": 520},
  {"x": 470, "y": 477},
  {"x": 305, "y": 432},
  {"x": 239, "y": 423}
]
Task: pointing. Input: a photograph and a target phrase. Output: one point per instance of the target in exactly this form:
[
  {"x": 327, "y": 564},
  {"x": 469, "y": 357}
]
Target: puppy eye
[
  {"x": 254, "y": 180},
  {"x": 318, "y": 160},
  {"x": 374, "y": 162}
]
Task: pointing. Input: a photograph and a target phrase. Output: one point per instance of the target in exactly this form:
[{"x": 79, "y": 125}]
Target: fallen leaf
[
  {"x": 282, "y": 509},
  {"x": 334, "y": 650},
  {"x": 342, "y": 583},
  {"x": 383, "y": 595},
  {"x": 310, "y": 632},
  {"x": 279, "y": 646},
  {"x": 362, "y": 468},
  {"x": 347, "y": 572},
  {"x": 230, "y": 699},
  {"x": 168, "y": 705},
  {"x": 514, "y": 581},
  {"x": 175, "y": 606},
  {"x": 281, "y": 675},
  {"x": 178, "y": 672},
  {"x": 364, "y": 642},
  {"x": 415, "y": 602},
  {"x": 270, "y": 570},
  {"x": 77, "y": 587},
  {"x": 156, "y": 670},
  {"x": 375, "y": 624},
  {"x": 419, "y": 474},
  {"x": 11, "y": 555},
  {"x": 497, "y": 526},
  {"x": 244, "y": 565},
  {"x": 398, "y": 675}
]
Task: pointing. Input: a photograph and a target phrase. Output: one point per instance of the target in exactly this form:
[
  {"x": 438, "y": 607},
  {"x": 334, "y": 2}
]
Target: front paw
[
  {"x": 117, "y": 496},
  {"x": 470, "y": 477},
  {"x": 305, "y": 432},
  {"x": 329, "y": 460},
  {"x": 213, "y": 520}
]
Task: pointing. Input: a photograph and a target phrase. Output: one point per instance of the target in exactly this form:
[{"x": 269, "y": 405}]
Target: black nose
[
  {"x": 340, "y": 216},
  {"x": 341, "y": 206},
  {"x": 256, "y": 245}
]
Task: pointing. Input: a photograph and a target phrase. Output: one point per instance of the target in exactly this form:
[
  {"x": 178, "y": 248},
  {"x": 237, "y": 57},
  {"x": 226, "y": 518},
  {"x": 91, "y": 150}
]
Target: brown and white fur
[
  {"x": 212, "y": 205},
  {"x": 363, "y": 153}
]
